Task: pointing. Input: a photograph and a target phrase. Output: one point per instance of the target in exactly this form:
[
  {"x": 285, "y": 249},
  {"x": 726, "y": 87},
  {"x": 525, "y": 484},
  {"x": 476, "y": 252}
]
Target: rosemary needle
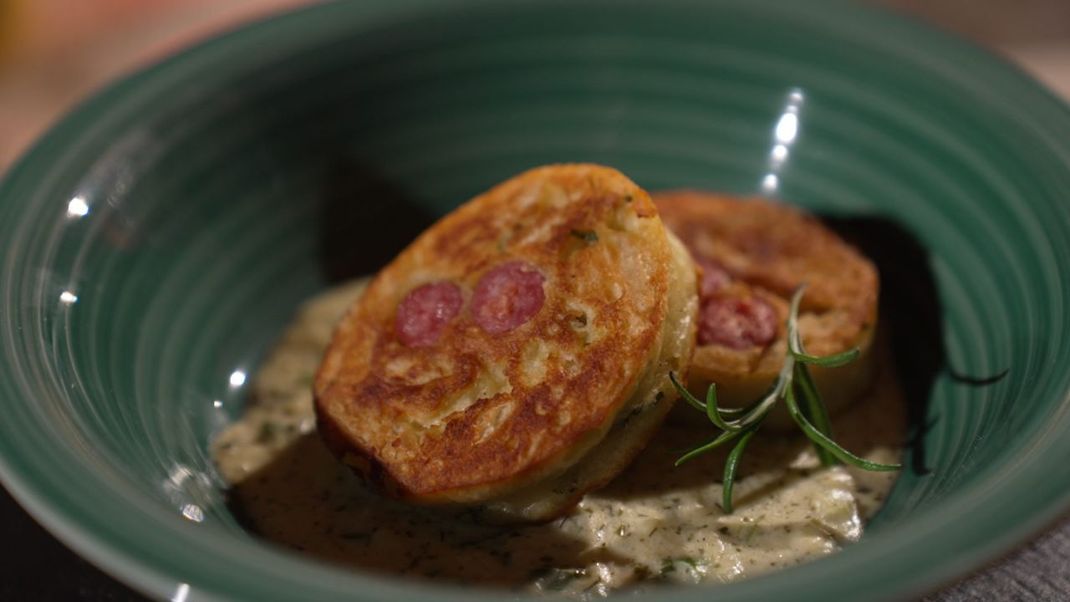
[
  {"x": 793, "y": 383},
  {"x": 815, "y": 409},
  {"x": 730, "y": 468}
]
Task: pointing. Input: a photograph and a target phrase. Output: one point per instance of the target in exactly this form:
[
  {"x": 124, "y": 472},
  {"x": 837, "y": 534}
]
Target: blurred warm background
[{"x": 54, "y": 52}]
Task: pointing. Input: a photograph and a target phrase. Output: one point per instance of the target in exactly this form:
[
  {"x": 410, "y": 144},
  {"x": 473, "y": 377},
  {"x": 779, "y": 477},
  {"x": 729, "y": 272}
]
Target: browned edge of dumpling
[{"x": 506, "y": 341}]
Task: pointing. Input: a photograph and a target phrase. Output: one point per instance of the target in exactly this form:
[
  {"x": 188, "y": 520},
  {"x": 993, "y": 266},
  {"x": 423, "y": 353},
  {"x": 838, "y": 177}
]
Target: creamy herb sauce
[{"x": 653, "y": 523}]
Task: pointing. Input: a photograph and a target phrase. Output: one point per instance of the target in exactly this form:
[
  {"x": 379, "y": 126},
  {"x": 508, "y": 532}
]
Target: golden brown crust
[
  {"x": 476, "y": 414},
  {"x": 653, "y": 399},
  {"x": 767, "y": 250}
]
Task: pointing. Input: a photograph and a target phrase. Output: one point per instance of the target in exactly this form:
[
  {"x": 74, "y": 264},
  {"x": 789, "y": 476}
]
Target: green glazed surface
[{"x": 228, "y": 183}]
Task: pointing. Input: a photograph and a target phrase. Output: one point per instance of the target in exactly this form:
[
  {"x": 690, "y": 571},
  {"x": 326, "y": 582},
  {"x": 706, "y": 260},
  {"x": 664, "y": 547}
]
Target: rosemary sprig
[{"x": 793, "y": 383}]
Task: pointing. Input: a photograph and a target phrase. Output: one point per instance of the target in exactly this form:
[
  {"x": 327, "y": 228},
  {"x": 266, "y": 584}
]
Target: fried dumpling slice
[{"x": 511, "y": 344}]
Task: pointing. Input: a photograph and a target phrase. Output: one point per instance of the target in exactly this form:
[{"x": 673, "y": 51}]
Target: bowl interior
[{"x": 156, "y": 242}]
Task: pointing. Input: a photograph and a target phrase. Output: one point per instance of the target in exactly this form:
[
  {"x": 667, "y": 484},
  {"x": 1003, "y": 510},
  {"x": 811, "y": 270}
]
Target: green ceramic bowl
[{"x": 156, "y": 240}]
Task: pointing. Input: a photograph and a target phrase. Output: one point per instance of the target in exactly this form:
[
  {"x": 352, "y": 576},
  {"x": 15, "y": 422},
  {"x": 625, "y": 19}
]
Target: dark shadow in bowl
[
  {"x": 304, "y": 499},
  {"x": 365, "y": 220},
  {"x": 909, "y": 303}
]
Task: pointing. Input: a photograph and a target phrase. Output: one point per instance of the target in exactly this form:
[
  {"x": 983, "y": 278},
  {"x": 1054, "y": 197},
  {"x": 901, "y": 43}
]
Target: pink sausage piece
[
  {"x": 424, "y": 313},
  {"x": 714, "y": 277},
  {"x": 507, "y": 296},
  {"x": 739, "y": 323}
]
